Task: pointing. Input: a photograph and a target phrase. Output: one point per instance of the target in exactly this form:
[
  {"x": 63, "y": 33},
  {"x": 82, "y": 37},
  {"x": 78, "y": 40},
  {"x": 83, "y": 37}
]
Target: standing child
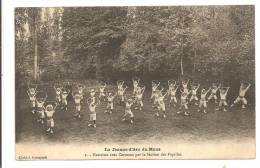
[
  {"x": 128, "y": 110},
  {"x": 64, "y": 100},
  {"x": 93, "y": 114},
  {"x": 172, "y": 93},
  {"x": 185, "y": 85},
  {"x": 49, "y": 111},
  {"x": 40, "y": 109},
  {"x": 194, "y": 93},
  {"x": 242, "y": 92},
  {"x": 81, "y": 93},
  {"x": 138, "y": 97},
  {"x": 154, "y": 88},
  {"x": 203, "y": 100},
  {"x": 213, "y": 93},
  {"x": 135, "y": 85},
  {"x": 110, "y": 103},
  {"x": 58, "y": 93},
  {"x": 32, "y": 96},
  {"x": 184, "y": 103},
  {"x": 92, "y": 97},
  {"x": 156, "y": 96},
  {"x": 77, "y": 100},
  {"x": 121, "y": 92},
  {"x": 223, "y": 98},
  {"x": 102, "y": 94},
  {"x": 161, "y": 105}
]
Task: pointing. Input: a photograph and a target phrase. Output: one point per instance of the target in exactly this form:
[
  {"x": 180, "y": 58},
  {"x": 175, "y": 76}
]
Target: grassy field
[{"x": 215, "y": 125}]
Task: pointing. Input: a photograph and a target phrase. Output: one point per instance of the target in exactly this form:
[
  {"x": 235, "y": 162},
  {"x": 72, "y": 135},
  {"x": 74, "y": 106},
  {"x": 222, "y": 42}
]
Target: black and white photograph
[{"x": 135, "y": 82}]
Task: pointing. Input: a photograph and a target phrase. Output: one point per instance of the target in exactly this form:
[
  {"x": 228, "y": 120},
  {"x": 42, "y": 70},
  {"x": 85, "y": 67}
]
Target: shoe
[
  {"x": 123, "y": 119},
  {"x": 164, "y": 116},
  {"x": 224, "y": 109},
  {"x": 33, "y": 111},
  {"x": 89, "y": 125},
  {"x": 131, "y": 121},
  {"x": 178, "y": 112},
  {"x": 157, "y": 114},
  {"x": 79, "y": 116},
  {"x": 51, "y": 132},
  {"x": 105, "y": 111},
  {"x": 217, "y": 109},
  {"x": 243, "y": 107},
  {"x": 205, "y": 111},
  {"x": 48, "y": 130},
  {"x": 186, "y": 113},
  {"x": 94, "y": 126}
]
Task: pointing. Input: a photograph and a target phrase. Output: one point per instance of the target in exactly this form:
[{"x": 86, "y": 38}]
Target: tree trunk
[
  {"x": 194, "y": 61},
  {"x": 182, "y": 47},
  {"x": 36, "y": 75}
]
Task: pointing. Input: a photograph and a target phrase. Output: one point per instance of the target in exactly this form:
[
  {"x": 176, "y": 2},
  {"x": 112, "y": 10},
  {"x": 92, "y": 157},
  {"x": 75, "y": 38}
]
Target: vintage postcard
[{"x": 135, "y": 82}]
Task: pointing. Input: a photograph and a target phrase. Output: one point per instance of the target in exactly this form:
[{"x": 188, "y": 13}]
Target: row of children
[{"x": 45, "y": 110}]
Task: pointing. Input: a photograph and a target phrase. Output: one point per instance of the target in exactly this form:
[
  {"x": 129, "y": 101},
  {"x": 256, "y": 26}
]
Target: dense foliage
[{"x": 107, "y": 43}]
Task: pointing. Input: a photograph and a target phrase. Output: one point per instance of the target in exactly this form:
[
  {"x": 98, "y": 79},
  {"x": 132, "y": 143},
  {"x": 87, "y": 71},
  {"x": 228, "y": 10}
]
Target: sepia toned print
[{"x": 161, "y": 82}]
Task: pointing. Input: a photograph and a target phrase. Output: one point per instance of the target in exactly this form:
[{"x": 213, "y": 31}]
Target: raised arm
[
  {"x": 208, "y": 90},
  {"x": 158, "y": 84},
  {"x": 165, "y": 94},
  {"x": 45, "y": 96},
  {"x": 125, "y": 89},
  {"x": 143, "y": 89},
  {"x": 28, "y": 93},
  {"x": 198, "y": 87},
  {"x": 161, "y": 90},
  {"x": 176, "y": 88},
  {"x": 248, "y": 86},
  {"x": 56, "y": 104},
  {"x": 227, "y": 90},
  {"x": 54, "y": 88}
]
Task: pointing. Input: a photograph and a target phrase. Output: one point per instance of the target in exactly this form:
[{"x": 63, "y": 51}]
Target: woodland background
[{"x": 206, "y": 43}]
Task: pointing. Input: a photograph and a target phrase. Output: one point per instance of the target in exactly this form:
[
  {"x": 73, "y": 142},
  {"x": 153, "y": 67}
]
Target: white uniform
[
  {"x": 93, "y": 114},
  {"x": 110, "y": 104},
  {"x": 33, "y": 100},
  {"x": 40, "y": 110},
  {"x": 173, "y": 95},
  {"x": 135, "y": 84},
  {"x": 185, "y": 88},
  {"x": 58, "y": 95},
  {"x": 81, "y": 94},
  {"x": 184, "y": 102},
  {"x": 213, "y": 94},
  {"x": 194, "y": 95},
  {"x": 139, "y": 99},
  {"x": 222, "y": 100},
  {"x": 49, "y": 116},
  {"x": 64, "y": 99},
  {"x": 128, "y": 110},
  {"x": 121, "y": 94},
  {"x": 241, "y": 97},
  {"x": 203, "y": 102},
  {"x": 153, "y": 91},
  {"x": 102, "y": 92},
  {"x": 78, "y": 105},
  {"x": 161, "y": 104}
]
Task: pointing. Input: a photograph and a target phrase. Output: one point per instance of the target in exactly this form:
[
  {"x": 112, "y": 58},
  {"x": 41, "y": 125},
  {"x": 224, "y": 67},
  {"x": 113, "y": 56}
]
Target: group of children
[{"x": 189, "y": 94}]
